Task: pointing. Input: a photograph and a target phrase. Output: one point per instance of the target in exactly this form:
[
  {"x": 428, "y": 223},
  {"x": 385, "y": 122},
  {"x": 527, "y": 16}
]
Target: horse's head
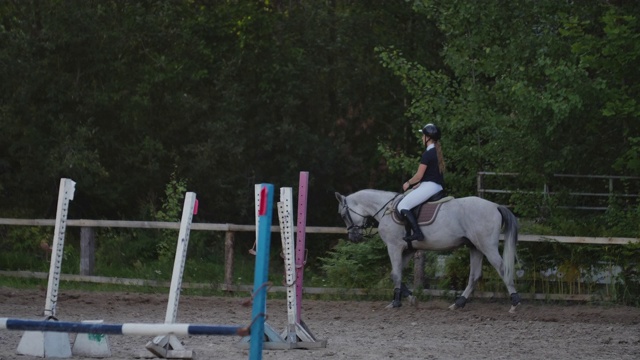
[{"x": 356, "y": 230}]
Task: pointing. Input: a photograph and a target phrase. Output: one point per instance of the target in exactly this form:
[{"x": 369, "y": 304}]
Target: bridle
[{"x": 368, "y": 222}]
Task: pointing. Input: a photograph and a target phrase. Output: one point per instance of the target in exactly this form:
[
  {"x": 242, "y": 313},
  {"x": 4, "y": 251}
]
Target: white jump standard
[
  {"x": 169, "y": 346},
  {"x": 42, "y": 344}
]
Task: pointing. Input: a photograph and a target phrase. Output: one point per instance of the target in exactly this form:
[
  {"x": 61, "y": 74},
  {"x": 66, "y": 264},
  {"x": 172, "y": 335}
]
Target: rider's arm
[{"x": 415, "y": 179}]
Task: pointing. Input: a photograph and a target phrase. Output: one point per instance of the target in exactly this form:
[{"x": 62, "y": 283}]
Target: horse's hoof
[
  {"x": 404, "y": 290},
  {"x": 461, "y": 302},
  {"x": 515, "y": 299},
  {"x": 513, "y": 308},
  {"x": 412, "y": 300},
  {"x": 394, "y": 304}
]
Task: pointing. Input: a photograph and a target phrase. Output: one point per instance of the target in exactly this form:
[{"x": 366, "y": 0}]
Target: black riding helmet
[{"x": 431, "y": 131}]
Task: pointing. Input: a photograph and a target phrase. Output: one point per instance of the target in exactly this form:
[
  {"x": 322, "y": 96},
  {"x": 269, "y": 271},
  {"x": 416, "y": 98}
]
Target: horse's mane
[
  {"x": 363, "y": 191},
  {"x": 371, "y": 194}
]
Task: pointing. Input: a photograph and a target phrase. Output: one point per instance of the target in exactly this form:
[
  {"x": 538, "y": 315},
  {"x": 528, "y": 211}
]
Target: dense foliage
[
  {"x": 531, "y": 87},
  {"x": 138, "y": 101},
  {"x": 119, "y": 95}
]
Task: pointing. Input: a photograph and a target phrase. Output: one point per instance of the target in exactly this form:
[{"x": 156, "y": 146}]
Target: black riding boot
[
  {"x": 407, "y": 229},
  {"x": 409, "y": 218}
]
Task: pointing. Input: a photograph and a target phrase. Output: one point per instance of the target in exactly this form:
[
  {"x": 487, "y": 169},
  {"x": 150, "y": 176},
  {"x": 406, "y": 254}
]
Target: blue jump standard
[
  {"x": 260, "y": 278},
  {"x": 120, "y": 329}
]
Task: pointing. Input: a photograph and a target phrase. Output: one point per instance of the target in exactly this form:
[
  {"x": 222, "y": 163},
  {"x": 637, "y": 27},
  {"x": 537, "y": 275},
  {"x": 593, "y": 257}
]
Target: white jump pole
[
  {"x": 285, "y": 215},
  {"x": 169, "y": 346},
  {"x": 42, "y": 343}
]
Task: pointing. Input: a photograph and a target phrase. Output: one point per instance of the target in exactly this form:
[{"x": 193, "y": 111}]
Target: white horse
[{"x": 470, "y": 221}]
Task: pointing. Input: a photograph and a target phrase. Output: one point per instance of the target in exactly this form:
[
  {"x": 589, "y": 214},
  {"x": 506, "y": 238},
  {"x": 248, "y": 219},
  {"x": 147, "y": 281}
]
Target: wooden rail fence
[
  {"x": 88, "y": 240},
  {"x": 620, "y": 191}
]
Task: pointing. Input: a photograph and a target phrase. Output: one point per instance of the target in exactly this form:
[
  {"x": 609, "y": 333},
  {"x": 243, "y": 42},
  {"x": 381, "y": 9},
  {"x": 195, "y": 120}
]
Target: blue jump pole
[
  {"x": 258, "y": 314},
  {"x": 120, "y": 329}
]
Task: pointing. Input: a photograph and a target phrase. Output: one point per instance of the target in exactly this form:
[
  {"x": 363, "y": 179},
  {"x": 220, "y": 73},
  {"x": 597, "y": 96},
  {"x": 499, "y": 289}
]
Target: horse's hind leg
[
  {"x": 475, "y": 273},
  {"x": 496, "y": 260}
]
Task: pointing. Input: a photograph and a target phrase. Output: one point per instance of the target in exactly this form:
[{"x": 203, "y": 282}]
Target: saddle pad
[{"x": 427, "y": 212}]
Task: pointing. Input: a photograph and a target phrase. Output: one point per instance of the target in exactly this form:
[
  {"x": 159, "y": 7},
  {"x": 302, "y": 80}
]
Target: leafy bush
[
  {"x": 357, "y": 265},
  {"x": 171, "y": 211},
  {"x": 30, "y": 247},
  {"x": 126, "y": 252},
  {"x": 25, "y": 248},
  {"x": 622, "y": 220}
]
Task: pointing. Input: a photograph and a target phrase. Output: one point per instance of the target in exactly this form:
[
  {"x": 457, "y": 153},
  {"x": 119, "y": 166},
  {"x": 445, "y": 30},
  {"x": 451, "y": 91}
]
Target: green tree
[
  {"x": 517, "y": 94},
  {"x": 118, "y": 94},
  {"x": 606, "y": 44}
]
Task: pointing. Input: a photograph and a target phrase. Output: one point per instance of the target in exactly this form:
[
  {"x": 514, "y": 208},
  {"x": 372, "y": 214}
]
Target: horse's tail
[{"x": 510, "y": 227}]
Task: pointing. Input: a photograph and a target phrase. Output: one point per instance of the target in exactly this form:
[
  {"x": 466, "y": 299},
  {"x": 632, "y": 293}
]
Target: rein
[{"x": 369, "y": 222}]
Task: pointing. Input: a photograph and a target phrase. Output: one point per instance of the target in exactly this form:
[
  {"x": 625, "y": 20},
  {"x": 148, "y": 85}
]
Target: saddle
[{"x": 426, "y": 212}]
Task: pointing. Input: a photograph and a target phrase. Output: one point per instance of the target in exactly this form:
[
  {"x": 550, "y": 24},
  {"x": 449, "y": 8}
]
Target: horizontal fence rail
[
  {"x": 88, "y": 255},
  {"x": 309, "y": 229},
  {"x": 612, "y": 190},
  {"x": 160, "y": 225}
]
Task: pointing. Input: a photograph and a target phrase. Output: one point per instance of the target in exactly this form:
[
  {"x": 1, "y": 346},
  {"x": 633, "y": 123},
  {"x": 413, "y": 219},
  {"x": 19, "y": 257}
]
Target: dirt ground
[{"x": 355, "y": 329}]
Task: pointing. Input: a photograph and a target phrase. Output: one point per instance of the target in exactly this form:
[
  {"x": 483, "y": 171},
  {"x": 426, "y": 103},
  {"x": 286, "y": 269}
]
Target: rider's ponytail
[{"x": 441, "y": 164}]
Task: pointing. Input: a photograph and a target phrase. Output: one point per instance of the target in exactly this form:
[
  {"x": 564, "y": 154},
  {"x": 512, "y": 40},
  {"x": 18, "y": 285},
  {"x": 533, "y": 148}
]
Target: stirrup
[{"x": 416, "y": 237}]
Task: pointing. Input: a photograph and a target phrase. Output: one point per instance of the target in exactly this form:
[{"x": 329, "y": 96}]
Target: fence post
[
  {"x": 610, "y": 187},
  {"x": 418, "y": 269},
  {"x": 228, "y": 260},
  {"x": 480, "y": 185},
  {"x": 87, "y": 250}
]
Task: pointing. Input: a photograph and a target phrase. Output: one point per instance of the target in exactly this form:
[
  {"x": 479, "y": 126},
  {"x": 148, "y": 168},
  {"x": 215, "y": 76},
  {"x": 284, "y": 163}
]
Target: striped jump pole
[{"x": 121, "y": 329}]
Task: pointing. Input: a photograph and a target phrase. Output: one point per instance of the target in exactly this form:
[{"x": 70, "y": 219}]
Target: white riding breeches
[{"x": 419, "y": 195}]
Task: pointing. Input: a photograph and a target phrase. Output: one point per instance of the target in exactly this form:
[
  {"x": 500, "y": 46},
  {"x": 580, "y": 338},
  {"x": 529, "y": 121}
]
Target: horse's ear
[{"x": 339, "y": 197}]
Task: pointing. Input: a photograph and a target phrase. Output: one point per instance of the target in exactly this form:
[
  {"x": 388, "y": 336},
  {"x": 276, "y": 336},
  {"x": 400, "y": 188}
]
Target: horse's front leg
[
  {"x": 397, "y": 264},
  {"x": 407, "y": 255}
]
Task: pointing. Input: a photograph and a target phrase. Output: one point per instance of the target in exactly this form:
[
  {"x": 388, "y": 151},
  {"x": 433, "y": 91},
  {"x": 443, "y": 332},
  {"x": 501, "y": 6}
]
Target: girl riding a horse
[{"x": 426, "y": 182}]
